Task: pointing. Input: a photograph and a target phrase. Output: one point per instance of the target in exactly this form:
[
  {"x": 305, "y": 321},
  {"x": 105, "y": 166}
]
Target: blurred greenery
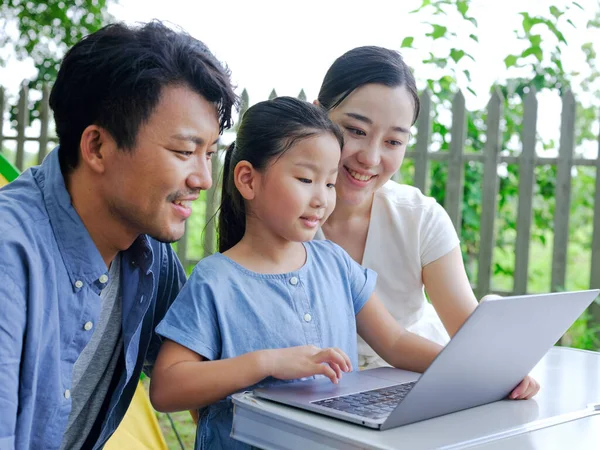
[
  {"x": 46, "y": 29},
  {"x": 538, "y": 65}
]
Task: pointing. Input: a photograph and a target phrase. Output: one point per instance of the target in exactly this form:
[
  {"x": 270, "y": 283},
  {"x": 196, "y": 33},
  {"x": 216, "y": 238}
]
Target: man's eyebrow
[
  {"x": 191, "y": 138},
  {"x": 314, "y": 167},
  {"x": 368, "y": 121}
]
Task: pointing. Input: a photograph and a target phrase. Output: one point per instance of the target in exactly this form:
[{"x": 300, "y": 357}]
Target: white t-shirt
[{"x": 408, "y": 230}]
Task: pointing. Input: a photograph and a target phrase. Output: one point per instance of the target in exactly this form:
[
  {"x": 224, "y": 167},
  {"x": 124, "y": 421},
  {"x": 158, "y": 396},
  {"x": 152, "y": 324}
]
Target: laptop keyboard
[{"x": 375, "y": 404}]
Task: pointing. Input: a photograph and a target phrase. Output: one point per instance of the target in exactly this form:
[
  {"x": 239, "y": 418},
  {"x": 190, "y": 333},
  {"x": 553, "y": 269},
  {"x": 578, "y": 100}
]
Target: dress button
[
  {"x": 103, "y": 278},
  {"x": 307, "y": 317},
  {"x": 79, "y": 284},
  {"x": 88, "y": 326},
  {"x": 293, "y": 281},
  {"x": 67, "y": 394}
]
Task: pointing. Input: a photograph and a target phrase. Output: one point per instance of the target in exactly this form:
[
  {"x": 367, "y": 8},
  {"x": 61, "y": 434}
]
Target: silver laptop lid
[{"x": 492, "y": 352}]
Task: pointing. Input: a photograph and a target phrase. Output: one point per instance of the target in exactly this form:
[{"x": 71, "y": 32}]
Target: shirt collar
[{"x": 82, "y": 259}]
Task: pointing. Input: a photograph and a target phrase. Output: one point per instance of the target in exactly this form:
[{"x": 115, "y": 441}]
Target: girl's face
[
  {"x": 376, "y": 121},
  {"x": 296, "y": 192}
]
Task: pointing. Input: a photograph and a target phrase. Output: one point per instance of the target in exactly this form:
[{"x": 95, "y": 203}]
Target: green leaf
[
  {"x": 556, "y": 32},
  {"x": 536, "y": 51},
  {"x": 471, "y": 91},
  {"x": 475, "y": 38},
  {"x": 438, "y": 31},
  {"x": 556, "y": 12},
  {"x": 473, "y": 21},
  {"x": 462, "y": 7},
  {"x": 467, "y": 74},
  {"x": 407, "y": 42},
  {"x": 456, "y": 54},
  {"x": 510, "y": 60},
  {"x": 535, "y": 40},
  {"x": 423, "y": 5},
  {"x": 578, "y": 5}
]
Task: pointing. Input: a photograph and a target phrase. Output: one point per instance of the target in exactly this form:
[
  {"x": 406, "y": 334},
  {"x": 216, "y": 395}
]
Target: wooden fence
[{"x": 455, "y": 158}]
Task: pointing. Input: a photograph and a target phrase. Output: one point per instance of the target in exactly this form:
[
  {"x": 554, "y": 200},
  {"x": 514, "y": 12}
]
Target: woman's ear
[{"x": 245, "y": 179}]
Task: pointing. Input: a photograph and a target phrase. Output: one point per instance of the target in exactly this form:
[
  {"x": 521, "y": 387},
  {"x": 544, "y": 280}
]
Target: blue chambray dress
[{"x": 225, "y": 310}]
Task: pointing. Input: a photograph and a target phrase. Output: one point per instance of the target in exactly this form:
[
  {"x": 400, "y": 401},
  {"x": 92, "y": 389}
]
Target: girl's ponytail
[{"x": 232, "y": 217}]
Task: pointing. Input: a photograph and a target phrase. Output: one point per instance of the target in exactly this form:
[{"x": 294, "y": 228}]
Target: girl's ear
[
  {"x": 245, "y": 179},
  {"x": 316, "y": 102}
]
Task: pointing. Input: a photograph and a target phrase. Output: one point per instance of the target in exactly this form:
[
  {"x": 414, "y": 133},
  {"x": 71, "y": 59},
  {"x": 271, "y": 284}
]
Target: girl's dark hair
[
  {"x": 267, "y": 130},
  {"x": 114, "y": 78},
  {"x": 366, "y": 65}
]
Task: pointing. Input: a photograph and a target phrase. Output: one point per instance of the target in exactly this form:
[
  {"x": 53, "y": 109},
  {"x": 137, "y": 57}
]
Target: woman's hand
[
  {"x": 305, "y": 361},
  {"x": 525, "y": 390}
]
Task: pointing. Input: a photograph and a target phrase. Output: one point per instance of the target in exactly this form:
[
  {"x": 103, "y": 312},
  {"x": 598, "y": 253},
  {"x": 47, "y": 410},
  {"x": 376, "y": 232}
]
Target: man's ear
[
  {"x": 245, "y": 178},
  {"x": 94, "y": 146}
]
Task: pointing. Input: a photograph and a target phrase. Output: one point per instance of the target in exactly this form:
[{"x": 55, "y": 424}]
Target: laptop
[{"x": 497, "y": 346}]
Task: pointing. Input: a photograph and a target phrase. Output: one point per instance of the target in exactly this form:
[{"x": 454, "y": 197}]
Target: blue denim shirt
[
  {"x": 49, "y": 288},
  {"x": 225, "y": 310}
]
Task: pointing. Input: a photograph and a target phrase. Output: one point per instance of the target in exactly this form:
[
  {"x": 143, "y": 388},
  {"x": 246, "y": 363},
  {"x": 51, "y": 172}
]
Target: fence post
[
  {"x": 244, "y": 102},
  {"x": 422, "y": 145},
  {"x": 22, "y": 122},
  {"x": 1, "y": 116},
  {"x": 44, "y": 119},
  {"x": 526, "y": 172},
  {"x": 489, "y": 197},
  {"x": 302, "y": 95},
  {"x": 563, "y": 192},
  {"x": 455, "y": 180},
  {"x": 182, "y": 247},
  {"x": 595, "y": 272},
  {"x": 212, "y": 205},
  {"x": 273, "y": 94}
]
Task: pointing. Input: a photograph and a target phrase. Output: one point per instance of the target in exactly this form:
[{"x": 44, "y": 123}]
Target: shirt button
[
  {"x": 307, "y": 317},
  {"x": 293, "y": 281},
  {"x": 67, "y": 394},
  {"x": 88, "y": 326},
  {"x": 79, "y": 284},
  {"x": 142, "y": 298},
  {"x": 103, "y": 278}
]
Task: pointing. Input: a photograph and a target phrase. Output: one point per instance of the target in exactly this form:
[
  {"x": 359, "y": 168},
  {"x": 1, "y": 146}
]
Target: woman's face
[{"x": 376, "y": 121}]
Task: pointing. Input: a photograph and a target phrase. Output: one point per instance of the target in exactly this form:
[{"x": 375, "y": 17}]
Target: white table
[{"x": 565, "y": 414}]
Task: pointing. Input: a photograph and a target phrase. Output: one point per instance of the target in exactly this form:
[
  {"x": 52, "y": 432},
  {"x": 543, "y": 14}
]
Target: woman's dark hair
[
  {"x": 114, "y": 77},
  {"x": 366, "y": 65},
  {"x": 267, "y": 130}
]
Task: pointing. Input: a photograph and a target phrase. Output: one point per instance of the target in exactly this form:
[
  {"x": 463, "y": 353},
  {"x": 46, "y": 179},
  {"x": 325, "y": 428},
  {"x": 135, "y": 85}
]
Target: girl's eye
[
  {"x": 209, "y": 155},
  {"x": 305, "y": 180},
  {"x": 331, "y": 185},
  {"x": 395, "y": 143},
  {"x": 183, "y": 153},
  {"x": 356, "y": 131}
]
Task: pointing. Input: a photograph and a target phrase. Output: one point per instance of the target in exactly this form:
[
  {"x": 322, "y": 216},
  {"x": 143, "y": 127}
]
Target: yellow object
[{"x": 139, "y": 428}]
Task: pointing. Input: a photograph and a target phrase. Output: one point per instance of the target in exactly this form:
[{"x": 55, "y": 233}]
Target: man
[{"x": 86, "y": 272}]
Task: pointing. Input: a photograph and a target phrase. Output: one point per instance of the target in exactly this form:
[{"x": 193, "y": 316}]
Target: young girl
[{"x": 273, "y": 305}]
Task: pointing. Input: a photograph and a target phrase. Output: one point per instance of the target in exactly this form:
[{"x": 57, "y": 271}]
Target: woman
[{"x": 391, "y": 228}]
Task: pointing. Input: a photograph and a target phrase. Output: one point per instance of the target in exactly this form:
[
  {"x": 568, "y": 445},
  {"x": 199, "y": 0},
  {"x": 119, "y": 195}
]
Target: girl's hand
[
  {"x": 525, "y": 390},
  {"x": 306, "y": 361}
]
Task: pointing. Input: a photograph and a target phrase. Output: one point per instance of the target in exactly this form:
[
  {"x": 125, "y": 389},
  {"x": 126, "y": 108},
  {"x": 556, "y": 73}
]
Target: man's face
[{"x": 149, "y": 189}]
